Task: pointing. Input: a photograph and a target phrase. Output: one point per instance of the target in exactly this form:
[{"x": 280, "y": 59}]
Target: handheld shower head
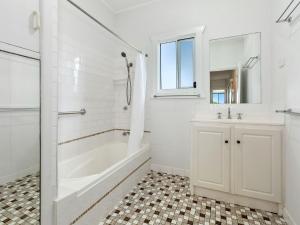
[
  {"x": 128, "y": 83},
  {"x": 123, "y": 54}
]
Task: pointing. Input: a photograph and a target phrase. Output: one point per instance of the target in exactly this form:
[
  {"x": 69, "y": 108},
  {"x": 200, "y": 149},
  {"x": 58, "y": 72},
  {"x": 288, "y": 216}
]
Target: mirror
[
  {"x": 235, "y": 69},
  {"x": 19, "y": 139}
]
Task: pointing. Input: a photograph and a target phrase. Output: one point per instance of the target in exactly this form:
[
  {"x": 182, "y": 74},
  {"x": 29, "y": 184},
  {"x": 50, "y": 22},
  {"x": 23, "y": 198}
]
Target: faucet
[
  {"x": 229, "y": 114},
  {"x": 239, "y": 116},
  {"x": 219, "y": 115}
]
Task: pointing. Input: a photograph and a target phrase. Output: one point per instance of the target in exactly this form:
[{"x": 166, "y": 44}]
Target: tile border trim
[
  {"x": 110, "y": 191},
  {"x": 95, "y": 134}
]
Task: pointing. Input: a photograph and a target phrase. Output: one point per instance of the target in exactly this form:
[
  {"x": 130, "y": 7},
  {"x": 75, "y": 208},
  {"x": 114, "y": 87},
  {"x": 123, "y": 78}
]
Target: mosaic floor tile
[
  {"x": 166, "y": 199},
  {"x": 20, "y": 201}
]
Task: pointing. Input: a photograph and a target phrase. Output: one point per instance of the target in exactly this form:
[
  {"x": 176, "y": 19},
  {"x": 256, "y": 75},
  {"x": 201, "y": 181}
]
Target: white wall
[
  {"x": 169, "y": 118},
  {"x": 286, "y": 54}
]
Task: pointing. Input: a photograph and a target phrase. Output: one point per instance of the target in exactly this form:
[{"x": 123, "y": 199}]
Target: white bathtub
[{"x": 105, "y": 171}]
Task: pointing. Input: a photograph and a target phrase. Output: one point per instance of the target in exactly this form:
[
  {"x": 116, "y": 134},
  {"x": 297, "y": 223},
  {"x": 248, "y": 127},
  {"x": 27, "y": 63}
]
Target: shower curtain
[{"x": 138, "y": 105}]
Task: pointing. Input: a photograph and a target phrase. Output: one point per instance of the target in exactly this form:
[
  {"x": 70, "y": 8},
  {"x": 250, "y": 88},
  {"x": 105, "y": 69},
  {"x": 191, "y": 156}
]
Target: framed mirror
[
  {"x": 20, "y": 138},
  {"x": 235, "y": 69}
]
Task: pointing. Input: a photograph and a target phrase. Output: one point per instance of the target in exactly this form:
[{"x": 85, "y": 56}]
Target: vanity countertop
[{"x": 250, "y": 121}]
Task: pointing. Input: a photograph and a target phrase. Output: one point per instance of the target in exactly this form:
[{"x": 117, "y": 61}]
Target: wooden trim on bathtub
[
  {"x": 111, "y": 190},
  {"x": 95, "y": 134}
]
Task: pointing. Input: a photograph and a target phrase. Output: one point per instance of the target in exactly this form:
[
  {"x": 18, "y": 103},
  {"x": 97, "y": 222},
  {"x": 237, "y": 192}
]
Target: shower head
[{"x": 123, "y": 54}]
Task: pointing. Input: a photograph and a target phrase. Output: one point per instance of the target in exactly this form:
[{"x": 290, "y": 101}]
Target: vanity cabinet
[
  {"x": 257, "y": 163},
  {"x": 240, "y": 163},
  {"x": 211, "y": 157}
]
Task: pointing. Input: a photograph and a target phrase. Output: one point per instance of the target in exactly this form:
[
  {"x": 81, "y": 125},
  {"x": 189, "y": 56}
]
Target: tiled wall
[
  {"x": 92, "y": 75},
  {"x": 122, "y": 116},
  {"x": 19, "y": 131},
  {"x": 86, "y": 65}
]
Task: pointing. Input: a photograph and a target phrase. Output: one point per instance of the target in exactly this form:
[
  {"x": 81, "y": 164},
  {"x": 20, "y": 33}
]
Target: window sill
[{"x": 176, "y": 96}]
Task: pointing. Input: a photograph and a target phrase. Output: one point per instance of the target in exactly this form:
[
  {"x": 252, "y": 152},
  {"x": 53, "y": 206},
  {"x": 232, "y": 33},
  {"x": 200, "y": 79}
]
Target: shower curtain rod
[{"x": 106, "y": 28}]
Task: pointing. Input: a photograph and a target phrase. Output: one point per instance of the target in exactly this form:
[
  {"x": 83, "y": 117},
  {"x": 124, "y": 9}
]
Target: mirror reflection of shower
[{"x": 128, "y": 82}]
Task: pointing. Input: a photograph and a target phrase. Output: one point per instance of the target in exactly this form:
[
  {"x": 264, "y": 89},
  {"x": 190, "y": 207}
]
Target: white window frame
[{"x": 197, "y": 34}]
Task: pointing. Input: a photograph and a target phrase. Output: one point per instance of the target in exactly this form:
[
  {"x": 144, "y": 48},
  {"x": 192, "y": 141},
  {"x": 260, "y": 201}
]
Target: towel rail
[
  {"x": 81, "y": 112},
  {"x": 166, "y": 96},
  {"x": 17, "y": 109},
  {"x": 289, "y": 17},
  {"x": 289, "y": 112}
]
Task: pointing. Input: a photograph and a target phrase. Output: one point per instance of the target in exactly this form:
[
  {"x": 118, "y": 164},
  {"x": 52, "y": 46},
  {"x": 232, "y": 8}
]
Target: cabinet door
[
  {"x": 16, "y": 22},
  {"x": 257, "y": 163},
  {"x": 211, "y": 157}
]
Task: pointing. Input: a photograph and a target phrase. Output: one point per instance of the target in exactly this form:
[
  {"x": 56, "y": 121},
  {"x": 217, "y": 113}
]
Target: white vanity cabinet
[
  {"x": 211, "y": 157},
  {"x": 257, "y": 162},
  {"x": 19, "y": 22},
  {"x": 237, "y": 162}
]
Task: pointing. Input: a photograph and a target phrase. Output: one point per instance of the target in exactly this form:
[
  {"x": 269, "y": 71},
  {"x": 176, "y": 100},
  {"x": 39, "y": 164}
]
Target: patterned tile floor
[
  {"x": 165, "y": 199},
  {"x": 20, "y": 202}
]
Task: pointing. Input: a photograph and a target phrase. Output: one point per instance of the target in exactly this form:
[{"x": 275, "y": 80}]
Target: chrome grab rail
[
  {"x": 288, "y": 111},
  {"x": 16, "y": 109},
  {"x": 81, "y": 112}
]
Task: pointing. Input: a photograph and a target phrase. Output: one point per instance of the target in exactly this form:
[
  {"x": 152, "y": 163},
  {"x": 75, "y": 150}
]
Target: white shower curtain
[{"x": 138, "y": 105}]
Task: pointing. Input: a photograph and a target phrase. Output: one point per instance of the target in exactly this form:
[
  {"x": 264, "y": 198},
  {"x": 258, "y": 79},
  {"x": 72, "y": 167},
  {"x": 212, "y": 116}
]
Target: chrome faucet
[
  {"x": 239, "y": 116},
  {"x": 229, "y": 114}
]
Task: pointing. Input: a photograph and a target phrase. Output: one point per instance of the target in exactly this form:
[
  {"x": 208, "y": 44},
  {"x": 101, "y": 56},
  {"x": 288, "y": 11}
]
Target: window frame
[
  {"x": 218, "y": 93},
  {"x": 188, "y": 92},
  {"x": 178, "y": 63}
]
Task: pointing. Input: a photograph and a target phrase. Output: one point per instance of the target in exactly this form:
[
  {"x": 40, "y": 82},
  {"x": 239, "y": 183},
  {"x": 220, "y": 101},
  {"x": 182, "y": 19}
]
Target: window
[
  {"x": 179, "y": 61},
  {"x": 218, "y": 97},
  {"x": 177, "y": 64}
]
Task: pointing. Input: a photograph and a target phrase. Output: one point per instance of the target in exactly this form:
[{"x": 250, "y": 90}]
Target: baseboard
[
  {"x": 170, "y": 170},
  {"x": 236, "y": 199},
  {"x": 19, "y": 174},
  {"x": 288, "y": 218}
]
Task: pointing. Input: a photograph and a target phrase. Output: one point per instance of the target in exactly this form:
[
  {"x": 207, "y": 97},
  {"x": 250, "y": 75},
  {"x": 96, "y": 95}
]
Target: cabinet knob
[
  {"x": 238, "y": 141},
  {"x": 226, "y": 141}
]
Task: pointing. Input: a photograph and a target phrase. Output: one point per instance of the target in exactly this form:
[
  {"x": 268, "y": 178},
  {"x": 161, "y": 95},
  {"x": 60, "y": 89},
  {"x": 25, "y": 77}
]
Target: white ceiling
[{"x": 118, "y": 6}]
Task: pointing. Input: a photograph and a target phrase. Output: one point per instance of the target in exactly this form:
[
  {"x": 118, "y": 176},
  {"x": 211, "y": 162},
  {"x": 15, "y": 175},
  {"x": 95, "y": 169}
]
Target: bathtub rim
[{"x": 101, "y": 177}]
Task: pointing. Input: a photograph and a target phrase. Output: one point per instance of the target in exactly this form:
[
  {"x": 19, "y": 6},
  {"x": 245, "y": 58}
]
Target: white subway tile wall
[
  {"x": 85, "y": 75},
  {"x": 92, "y": 75}
]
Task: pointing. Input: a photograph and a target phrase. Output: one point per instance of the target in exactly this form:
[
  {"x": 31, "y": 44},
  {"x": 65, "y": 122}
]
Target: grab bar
[
  {"x": 81, "y": 112},
  {"x": 7, "y": 109},
  {"x": 288, "y": 111}
]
